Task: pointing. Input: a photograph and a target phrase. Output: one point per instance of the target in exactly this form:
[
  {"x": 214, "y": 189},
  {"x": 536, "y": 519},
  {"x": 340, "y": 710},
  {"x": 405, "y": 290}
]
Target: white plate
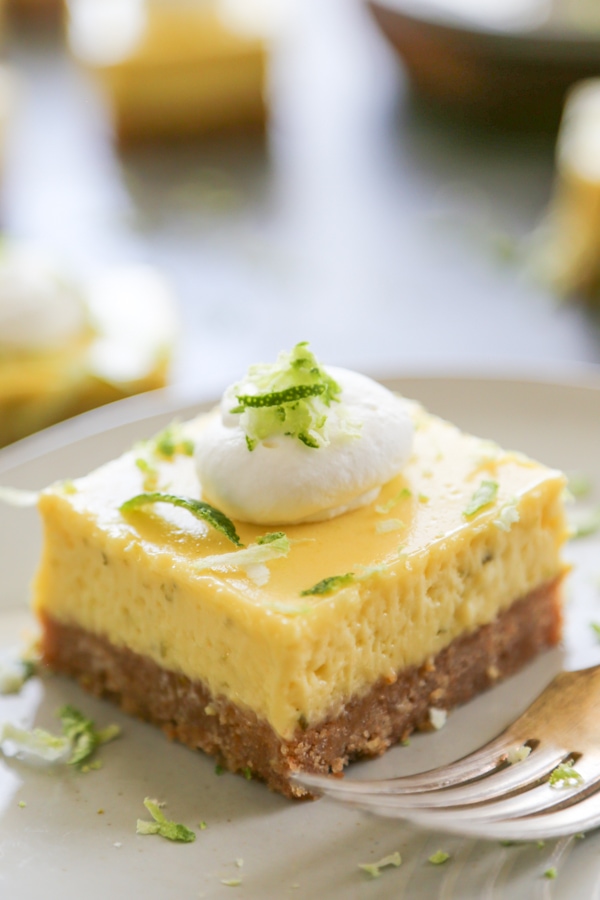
[{"x": 59, "y": 845}]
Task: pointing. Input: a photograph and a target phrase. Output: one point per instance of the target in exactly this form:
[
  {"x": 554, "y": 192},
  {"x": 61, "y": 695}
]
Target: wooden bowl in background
[{"x": 500, "y": 70}]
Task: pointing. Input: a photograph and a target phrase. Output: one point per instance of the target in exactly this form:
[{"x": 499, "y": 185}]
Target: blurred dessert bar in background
[
  {"x": 568, "y": 254},
  {"x": 171, "y": 68},
  {"x": 66, "y": 347},
  {"x": 9, "y": 98}
]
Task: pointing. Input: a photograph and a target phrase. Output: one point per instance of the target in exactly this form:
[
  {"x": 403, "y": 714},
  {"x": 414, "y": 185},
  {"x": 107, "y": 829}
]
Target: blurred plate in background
[{"x": 507, "y": 62}]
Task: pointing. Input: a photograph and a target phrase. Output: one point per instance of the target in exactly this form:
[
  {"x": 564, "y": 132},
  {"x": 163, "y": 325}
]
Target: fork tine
[
  {"x": 499, "y": 781},
  {"x": 464, "y": 775},
  {"x": 530, "y": 815},
  {"x": 581, "y": 817},
  {"x": 538, "y": 799},
  {"x": 482, "y": 761}
]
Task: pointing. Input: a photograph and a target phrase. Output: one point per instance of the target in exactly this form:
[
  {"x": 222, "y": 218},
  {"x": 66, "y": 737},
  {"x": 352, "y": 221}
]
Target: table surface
[{"x": 363, "y": 223}]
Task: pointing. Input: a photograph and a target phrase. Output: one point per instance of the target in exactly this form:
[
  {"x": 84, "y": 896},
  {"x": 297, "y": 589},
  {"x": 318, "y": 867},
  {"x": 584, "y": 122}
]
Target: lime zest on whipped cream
[
  {"x": 198, "y": 508},
  {"x": 288, "y": 397},
  {"x": 276, "y": 398},
  {"x": 166, "y": 828},
  {"x": 483, "y": 496}
]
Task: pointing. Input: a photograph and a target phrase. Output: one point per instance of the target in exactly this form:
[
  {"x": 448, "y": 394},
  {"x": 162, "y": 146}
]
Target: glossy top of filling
[{"x": 452, "y": 483}]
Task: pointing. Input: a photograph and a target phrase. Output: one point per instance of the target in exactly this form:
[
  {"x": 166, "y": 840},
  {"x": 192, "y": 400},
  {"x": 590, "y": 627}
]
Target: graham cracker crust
[{"x": 367, "y": 725}]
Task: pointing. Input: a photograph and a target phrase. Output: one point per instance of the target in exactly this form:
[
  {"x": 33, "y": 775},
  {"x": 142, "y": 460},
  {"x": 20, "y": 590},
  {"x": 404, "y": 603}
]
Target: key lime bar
[
  {"x": 172, "y": 68},
  {"x": 324, "y": 643}
]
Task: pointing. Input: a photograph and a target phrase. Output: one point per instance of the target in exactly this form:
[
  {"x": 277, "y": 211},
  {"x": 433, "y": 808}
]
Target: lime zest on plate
[
  {"x": 584, "y": 523},
  {"x": 83, "y": 736},
  {"x": 36, "y": 742},
  {"x": 14, "y": 672},
  {"x": 374, "y": 869},
  {"x": 172, "y": 831},
  {"x": 78, "y": 742},
  {"x": 439, "y": 857}
]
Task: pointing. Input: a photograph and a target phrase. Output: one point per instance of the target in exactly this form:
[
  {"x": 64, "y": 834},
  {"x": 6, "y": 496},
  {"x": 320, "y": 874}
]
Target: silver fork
[{"x": 483, "y": 794}]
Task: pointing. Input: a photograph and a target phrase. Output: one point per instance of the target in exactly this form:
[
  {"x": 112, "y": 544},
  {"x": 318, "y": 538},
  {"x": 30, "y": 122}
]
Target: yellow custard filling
[{"x": 424, "y": 572}]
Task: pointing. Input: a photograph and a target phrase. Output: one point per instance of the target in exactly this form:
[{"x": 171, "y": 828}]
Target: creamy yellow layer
[{"x": 425, "y": 573}]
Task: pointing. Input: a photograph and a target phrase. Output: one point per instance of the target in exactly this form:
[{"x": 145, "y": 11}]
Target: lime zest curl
[
  {"x": 198, "y": 508},
  {"x": 328, "y": 585},
  {"x": 277, "y": 398}
]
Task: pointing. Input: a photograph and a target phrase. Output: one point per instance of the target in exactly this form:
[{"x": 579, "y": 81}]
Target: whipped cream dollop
[
  {"x": 40, "y": 309},
  {"x": 360, "y": 440}
]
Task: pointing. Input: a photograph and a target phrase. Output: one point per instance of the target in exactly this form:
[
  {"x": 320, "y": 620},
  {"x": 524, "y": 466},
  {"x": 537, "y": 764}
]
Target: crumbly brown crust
[{"x": 367, "y": 725}]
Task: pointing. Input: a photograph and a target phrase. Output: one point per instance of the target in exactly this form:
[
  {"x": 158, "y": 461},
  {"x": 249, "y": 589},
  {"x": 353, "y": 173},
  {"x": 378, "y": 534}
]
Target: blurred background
[{"x": 381, "y": 180}]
